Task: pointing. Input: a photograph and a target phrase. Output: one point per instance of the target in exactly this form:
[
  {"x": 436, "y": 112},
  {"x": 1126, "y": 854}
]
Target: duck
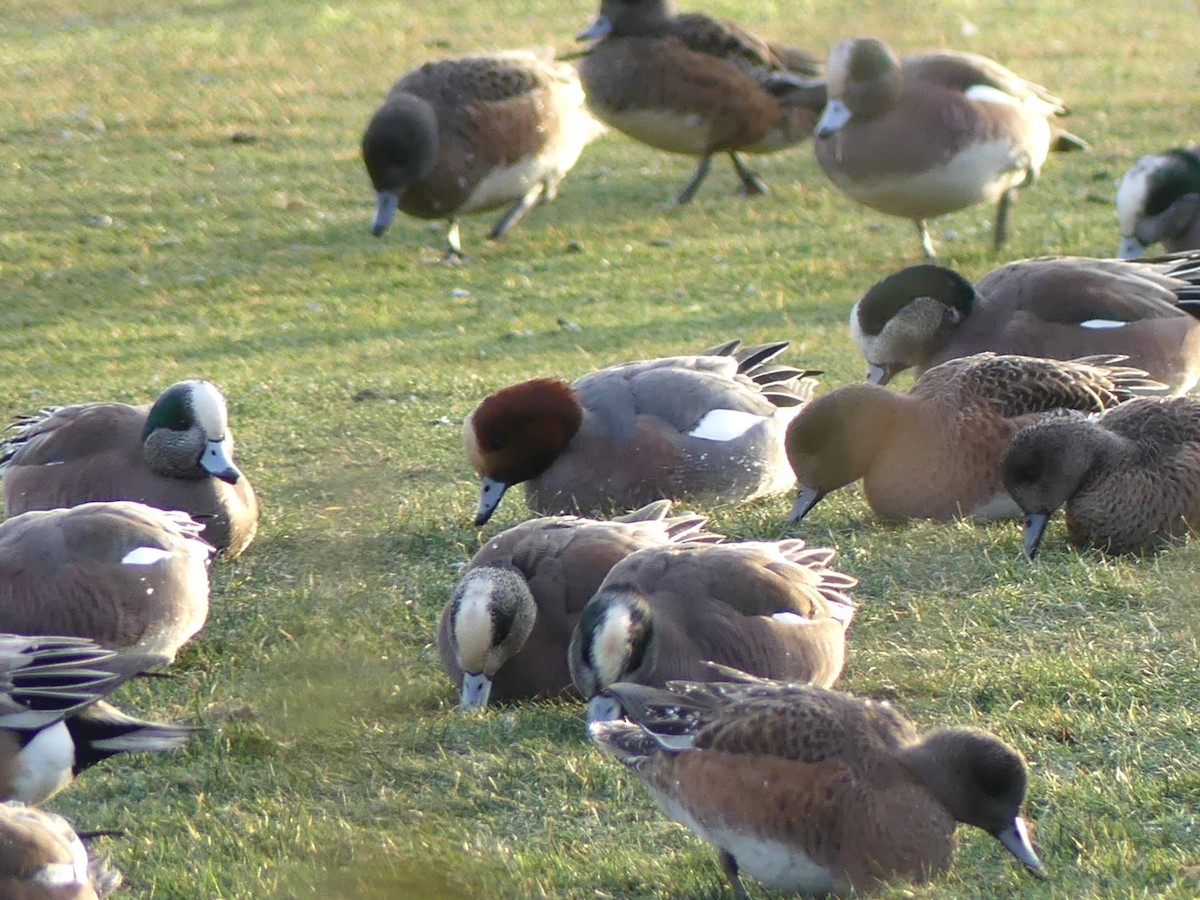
[
  {"x": 812, "y": 790},
  {"x": 1158, "y": 201},
  {"x": 54, "y": 722},
  {"x": 709, "y": 425},
  {"x": 1129, "y": 477},
  {"x": 472, "y": 134},
  {"x": 1061, "y": 307},
  {"x": 176, "y": 454},
  {"x": 121, "y": 573},
  {"x": 44, "y": 859},
  {"x": 694, "y": 85},
  {"x": 935, "y": 452},
  {"x": 771, "y": 608},
  {"x": 504, "y": 632},
  {"x": 929, "y": 134}
]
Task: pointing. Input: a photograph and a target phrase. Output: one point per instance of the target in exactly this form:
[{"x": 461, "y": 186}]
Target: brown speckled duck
[
  {"x": 934, "y": 453},
  {"x": 694, "y": 85},
  {"x": 472, "y": 134},
  {"x": 1129, "y": 477},
  {"x": 815, "y": 791}
]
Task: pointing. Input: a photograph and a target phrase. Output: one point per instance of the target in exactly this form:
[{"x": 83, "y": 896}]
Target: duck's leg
[
  {"x": 730, "y": 867},
  {"x": 926, "y": 240},
  {"x": 454, "y": 252},
  {"x": 689, "y": 189},
  {"x": 1000, "y": 235},
  {"x": 752, "y": 185},
  {"x": 517, "y": 211}
]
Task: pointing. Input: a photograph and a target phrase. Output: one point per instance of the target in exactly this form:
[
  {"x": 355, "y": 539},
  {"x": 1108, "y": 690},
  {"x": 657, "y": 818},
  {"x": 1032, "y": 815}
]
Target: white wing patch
[
  {"x": 724, "y": 425},
  {"x": 1102, "y": 323},
  {"x": 985, "y": 93},
  {"x": 145, "y": 556}
]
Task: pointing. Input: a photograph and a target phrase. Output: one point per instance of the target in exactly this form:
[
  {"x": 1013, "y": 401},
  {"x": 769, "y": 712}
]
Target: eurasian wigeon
[{"x": 709, "y": 426}]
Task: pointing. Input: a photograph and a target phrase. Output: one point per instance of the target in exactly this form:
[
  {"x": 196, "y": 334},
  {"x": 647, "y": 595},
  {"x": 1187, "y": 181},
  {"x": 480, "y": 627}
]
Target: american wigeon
[
  {"x": 175, "y": 454},
  {"x": 709, "y": 425},
  {"x": 812, "y": 790},
  {"x": 503, "y": 635},
  {"x": 122, "y": 574},
  {"x": 775, "y": 609},
  {"x": 44, "y": 859},
  {"x": 1129, "y": 478},
  {"x": 1158, "y": 200},
  {"x": 53, "y": 722},
  {"x": 1057, "y": 307},
  {"x": 694, "y": 85},
  {"x": 934, "y": 453},
  {"x": 468, "y": 135},
  {"x": 929, "y": 134}
]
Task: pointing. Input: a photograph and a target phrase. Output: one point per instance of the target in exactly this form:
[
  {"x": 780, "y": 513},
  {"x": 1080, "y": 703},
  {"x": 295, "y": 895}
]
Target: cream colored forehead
[
  {"x": 471, "y": 444},
  {"x": 610, "y": 644},
  {"x": 473, "y": 622},
  {"x": 837, "y": 70},
  {"x": 208, "y": 405},
  {"x": 1131, "y": 193}
]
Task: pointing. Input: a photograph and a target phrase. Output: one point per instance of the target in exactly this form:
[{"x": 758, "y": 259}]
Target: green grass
[{"x": 141, "y": 243}]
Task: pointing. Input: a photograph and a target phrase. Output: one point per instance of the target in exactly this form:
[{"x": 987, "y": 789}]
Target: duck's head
[
  {"x": 187, "y": 433},
  {"x": 516, "y": 434},
  {"x": 903, "y": 320},
  {"x": 612, "y": 642}
]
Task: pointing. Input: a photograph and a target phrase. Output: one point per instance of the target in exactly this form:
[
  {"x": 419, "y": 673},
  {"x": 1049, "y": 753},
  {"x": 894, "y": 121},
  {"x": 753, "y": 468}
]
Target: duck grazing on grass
[
  {"x": 709, "y": 425},
  {"x": 1129, "y": 478},
  {"x": 472, "y": 134},
  {"x": 1158, "y": 201},
  {"x": 176, "y": 454},
  {"x": 504, "y": 633},
  {"x": 1061, "y": 307},
  {"x": 935, "y": 452},
  {"x": 815, "y": 791},
  {"x": 692, "y": 84},
  {"x": 44, "y": 859},
  {"x": 771, "y": 608},
  {"x": 929, "y": 134},
  {"x": 53, "y": 722}
]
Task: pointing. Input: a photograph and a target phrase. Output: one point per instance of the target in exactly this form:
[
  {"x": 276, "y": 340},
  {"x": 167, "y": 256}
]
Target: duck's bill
[
  {"x": 476, "y": 688},
  {"x": 1015, "y": 839},
  {"x": 491, "y": 492},
  {"x": 385, "y": 209},
  {"x": 805, "y": 501},
  {"x": 1035, "y": 527}
]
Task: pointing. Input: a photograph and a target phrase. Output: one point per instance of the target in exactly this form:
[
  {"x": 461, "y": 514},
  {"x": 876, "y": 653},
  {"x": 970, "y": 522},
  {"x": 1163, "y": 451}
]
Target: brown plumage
[
  {"x": 934, "y": 453},
  {"x": 695, "y": 85},
  {"x": 811, "y": 790},
  {"x": 771, "y": 608},
  {"x": 472, "y": 134},
  {"x": 176, "y": 454},
  {"x": 41, "y": 858},
  {"x": 925, "y": 135},
  {"x": 503, "y": 635},
  {"x": 120, "y": 573},
  {"x": 1129, "y": 478},
  {"x": 1059, "y": 307}
]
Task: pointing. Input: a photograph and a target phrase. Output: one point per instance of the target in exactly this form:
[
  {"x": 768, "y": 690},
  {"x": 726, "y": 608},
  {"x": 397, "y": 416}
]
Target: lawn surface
[{"x": 183, "y": 196}]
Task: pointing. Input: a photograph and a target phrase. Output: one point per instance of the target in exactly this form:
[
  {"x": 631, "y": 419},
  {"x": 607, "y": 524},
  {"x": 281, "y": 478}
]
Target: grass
[{"x": 183, "y": 196}]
